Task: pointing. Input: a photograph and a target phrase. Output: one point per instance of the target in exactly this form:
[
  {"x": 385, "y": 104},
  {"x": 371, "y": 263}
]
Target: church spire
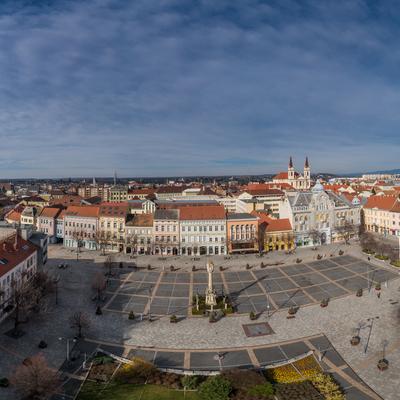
[
  {"x": 307, "y": 165},
  {"x": 290, "y": 162}
]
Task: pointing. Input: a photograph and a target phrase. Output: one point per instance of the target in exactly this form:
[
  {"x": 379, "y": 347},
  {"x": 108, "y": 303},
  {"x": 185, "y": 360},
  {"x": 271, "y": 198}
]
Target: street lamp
[
  {"x": 219, "y": 357},
  {"x": 67, "y": 340},
  {"x": 372, "y": 319}
]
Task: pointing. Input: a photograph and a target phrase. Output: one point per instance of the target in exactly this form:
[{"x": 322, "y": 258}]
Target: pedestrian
[
  {"x": 379, "y": 295},
  {"x": 369, "y": 258}
]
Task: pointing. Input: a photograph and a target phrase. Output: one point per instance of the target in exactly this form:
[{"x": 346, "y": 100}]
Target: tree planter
[
  {"x": 298, "y": 260},
  {"x": 173, "y": 319},
  {"x": 324, "y": 303},
  {"x": 212, "y": 318},
  {"x": 378, "y": 287},
  {"x": 42, "y": 344},
  {"x": 131, "y": 315},
  {"x": 291, "y": 313},
  {"x": 355, "y": 340},
  {"x": 359, "y": 293},
  {"x": 341, "y": 252},
  {"x": 253, "y": 316},
  {"x": 383, "y": 364}
]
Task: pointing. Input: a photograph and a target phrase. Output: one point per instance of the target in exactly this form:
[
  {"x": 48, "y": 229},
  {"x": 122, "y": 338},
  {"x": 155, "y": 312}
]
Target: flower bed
[{"x": 203, "y": 308}]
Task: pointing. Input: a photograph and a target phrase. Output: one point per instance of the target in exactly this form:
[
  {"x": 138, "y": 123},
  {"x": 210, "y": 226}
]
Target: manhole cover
[{"x": 257, "y": 329}]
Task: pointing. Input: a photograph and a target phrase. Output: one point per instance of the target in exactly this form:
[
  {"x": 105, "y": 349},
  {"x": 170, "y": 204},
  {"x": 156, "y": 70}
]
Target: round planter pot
[
  {"x": 383, "y": 364},
  {"x": 355, "y": 340}
]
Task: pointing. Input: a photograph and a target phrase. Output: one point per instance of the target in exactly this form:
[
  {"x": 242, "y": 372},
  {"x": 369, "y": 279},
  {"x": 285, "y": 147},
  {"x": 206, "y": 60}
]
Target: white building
[
  {"x": 202, "y": 230},
  {"x": 293, "y": 178},
  {"x": 81, "y": 226},
  {"x": 320, "y": 216},
  {"x": 18, "y": 263}
]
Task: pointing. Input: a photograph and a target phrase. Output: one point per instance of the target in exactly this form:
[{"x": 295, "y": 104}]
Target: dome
[{"x": 317, "y": 187}]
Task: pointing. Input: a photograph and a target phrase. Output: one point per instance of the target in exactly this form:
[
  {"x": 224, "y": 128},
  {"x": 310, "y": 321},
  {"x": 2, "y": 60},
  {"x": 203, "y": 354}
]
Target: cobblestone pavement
[{"x": 337, "y": 322}]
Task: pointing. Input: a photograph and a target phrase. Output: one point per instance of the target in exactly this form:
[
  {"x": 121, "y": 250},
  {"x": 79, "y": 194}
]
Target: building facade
[
  {"x": 242, "y": 233},
  {"x": 139, "y": 234},
  {"x": 202, "y": 230},
  {"x": 81, "y": 224},
  {"x": 166, "y": 232}
]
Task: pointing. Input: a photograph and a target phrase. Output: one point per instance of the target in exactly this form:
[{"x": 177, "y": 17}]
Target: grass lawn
[{"x": 98, "y": 391}]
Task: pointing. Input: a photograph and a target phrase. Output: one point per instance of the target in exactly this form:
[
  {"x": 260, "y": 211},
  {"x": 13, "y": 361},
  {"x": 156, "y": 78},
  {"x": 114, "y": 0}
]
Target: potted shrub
[
  {"x": 378, "y": 287},
  {"x": 324, "y": 302},
  {"x": 355, "y": 340},
  {"x": 148, "y": 267},
  {"x": 341, "y": 252},
  {"x": 42, "y": 344},
  {"x": 253, "y": 316},
  {"x": 383, "y": 364},
  {"x": 262, "y": 265},
  {"x": 298, "y": 260},
  {"x": 173, "y": 319},
  {"x": 171, "y": 268},
  {"x": 319, "y": 257},
  {"x": 292, "y": 312},
  {"x": 131, "y": 315},
  {"x": 212, "y": 317},
  {"x": 221, "y": 268},
  {"x": 248, "y": 266},
  {"x": 193, "y": 268},
  {"x": 98, "y": 310},
  {"x": 4, "y": 382},
  {"x": 359, "y": 292},
  {"x": 121, "y": 264}
]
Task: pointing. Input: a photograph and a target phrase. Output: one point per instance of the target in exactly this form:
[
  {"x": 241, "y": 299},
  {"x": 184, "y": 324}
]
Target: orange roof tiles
[
  {"x": 82, "y": 211},
  {"x": 113, "y": 209},
  {"x": 381, "y": 202},
  {"x": 272, "y": 224},
  {"x": 202, "y": 212},
  {"x": 50, "y": 212}
]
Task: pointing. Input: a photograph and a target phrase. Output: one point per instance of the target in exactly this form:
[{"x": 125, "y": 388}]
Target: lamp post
[
  {"x": 372, "y": 319},
  {"x": 219, "y": 357},
  {"x": 67, "y": 340},
  {"x": 56, "y": 279}
]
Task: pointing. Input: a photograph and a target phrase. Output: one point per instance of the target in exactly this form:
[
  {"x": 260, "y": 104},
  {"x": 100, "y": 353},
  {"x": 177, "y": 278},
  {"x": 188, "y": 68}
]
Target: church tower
[
  {"x": 307, "y": 174},
  {"x": 290, "y": 169}
]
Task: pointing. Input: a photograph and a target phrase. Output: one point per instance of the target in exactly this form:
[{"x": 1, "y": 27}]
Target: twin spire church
[{"x": 293, "y": 178}]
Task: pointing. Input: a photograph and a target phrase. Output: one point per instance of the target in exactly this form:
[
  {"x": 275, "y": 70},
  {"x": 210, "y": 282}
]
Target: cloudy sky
[{"x": 183, "y": 87}]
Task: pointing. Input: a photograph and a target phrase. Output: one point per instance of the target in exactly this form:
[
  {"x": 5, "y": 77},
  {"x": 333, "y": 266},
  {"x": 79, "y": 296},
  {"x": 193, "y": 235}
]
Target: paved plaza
[
  {"x": 193, "y": 341},
  {"x": 256, "y": 290}
]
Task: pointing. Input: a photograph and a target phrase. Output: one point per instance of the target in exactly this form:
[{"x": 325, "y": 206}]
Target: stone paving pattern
[{"x": 337, "y": 322}]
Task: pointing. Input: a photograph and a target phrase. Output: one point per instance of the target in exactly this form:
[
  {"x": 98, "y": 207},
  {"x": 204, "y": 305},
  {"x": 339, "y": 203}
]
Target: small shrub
[
  {"x": 341, "y": 252},
  {"x": 4, "y": 382},
  {"x": 136, "y": 372},
  {"x": 131, "y": 315},
  {"x": 190, "y": 382},
  {"x": 173, "y": 318},
  {"x": 326, "y": 385},
  {"x": 298, "y": 260},
  {"x": 253, "y": 316},
  {"x": 264, "y": 390},
  {"x": 215, "y": 388}
]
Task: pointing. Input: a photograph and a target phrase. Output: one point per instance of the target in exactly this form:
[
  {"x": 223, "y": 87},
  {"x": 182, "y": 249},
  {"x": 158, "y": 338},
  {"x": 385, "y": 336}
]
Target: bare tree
[
  {"x": 79, "y": 321},
  {"x": 108, "y": 263},
  {"x": 261, "y": 237},
  {"x": 99, "y": 285},
  {"x": 133, "y": 241},
  {"x": 77, "y": 235},
  {"x": 35, "y": 379},
  {"x": 347, "y": 231},
  {"x": 23, "y": 298},
  {"x": 315, "y": 236},
  {"x": 368, "y": 241},
  {"x": 101, "y": 240}
]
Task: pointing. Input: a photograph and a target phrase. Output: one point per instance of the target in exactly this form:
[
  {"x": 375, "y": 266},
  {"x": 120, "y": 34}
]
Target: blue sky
[{"x": 180, "y": 87}]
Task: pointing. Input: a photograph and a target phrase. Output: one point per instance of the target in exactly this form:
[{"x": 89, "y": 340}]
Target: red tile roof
[
  {"x": 381, "y": 202},
  {"x": 202, "y": 212},
  {"x": 108, "y": 209},
  {"x": 272, "y": 224},
  {"x": 50, "y": 212},
  {"x": 82, "y": 211},
  {"x": 284, "y": 175},
  {"x": 14, "y": 252}
]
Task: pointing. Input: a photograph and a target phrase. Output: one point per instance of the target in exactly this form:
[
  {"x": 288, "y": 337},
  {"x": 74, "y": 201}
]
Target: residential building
[
  {"x": 29, "y": 216},
  {"x": 46, "y": 222},
  {"x": 139, "y": 234},
  {"x": 274, "y": 234},
  {"x": 141, "y": 194},
  {"x": 81, "y": 227},
  {"x": 18, "y": 263},
  {"x": 166, "y": 232},
  {"x": 138, "y": 206},
  {"x": 60, "y": 226},
  {"x": 382, "y": 215},
  {"x": 242, "y": 233},
  {"x": 118, "y": 194},
  {"x": 267, "y": 199},
  {"x": 293, "y": 178},
  {"x": 202, "y": 230},
  {"x": 111, "y": 233}
]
